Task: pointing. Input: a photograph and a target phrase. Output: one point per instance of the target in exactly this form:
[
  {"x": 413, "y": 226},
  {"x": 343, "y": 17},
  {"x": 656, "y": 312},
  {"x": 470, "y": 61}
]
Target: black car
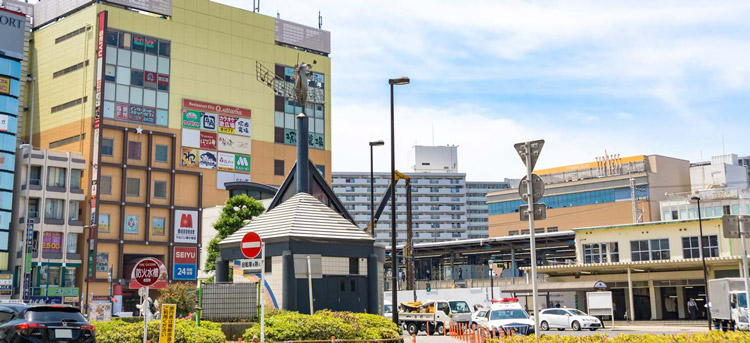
[{"x": 43, "y": 323}]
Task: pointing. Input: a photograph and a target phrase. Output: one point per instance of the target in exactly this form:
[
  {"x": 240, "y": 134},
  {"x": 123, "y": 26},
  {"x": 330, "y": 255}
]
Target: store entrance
[
  {"x": 642, "y": 303},
  {"x": 697, "y": 293},
  {"x": 669, "y": 302}
]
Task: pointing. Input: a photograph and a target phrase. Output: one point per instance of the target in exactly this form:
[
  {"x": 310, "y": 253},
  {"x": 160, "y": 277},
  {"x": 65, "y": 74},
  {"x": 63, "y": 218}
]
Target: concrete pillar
[
  {"x": 288, "y": 281},
  {"x": 681, "y": 303},
  {"x": 513, "y": 265},
  {"x": 372, "y": 286},
  {"x": 652, "y": 298},
  {"x": 222, "y": 271},
  {"x": 631, "y": 307}
]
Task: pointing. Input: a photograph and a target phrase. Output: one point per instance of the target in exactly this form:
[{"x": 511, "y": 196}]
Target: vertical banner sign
[
  {"x": 166, "y": 333},
  {"x": 27, "y": 265},
  {"x": 98, "y": 108},
  {"x": 185, "y": 263}
]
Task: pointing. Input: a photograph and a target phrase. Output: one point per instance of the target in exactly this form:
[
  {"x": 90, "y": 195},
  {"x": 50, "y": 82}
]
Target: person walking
[{"x": 692, "y": 309}]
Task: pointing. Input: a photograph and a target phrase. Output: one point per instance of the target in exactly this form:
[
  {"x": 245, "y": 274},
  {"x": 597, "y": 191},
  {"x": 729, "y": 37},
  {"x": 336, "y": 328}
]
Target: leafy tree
[
  {"x": 237, "y": 212},
  {"x": 181, "y": 294}
]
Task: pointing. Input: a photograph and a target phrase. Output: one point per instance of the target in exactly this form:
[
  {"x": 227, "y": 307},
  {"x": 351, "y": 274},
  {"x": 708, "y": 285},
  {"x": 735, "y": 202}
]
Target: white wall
[{"x": 435, "y": 159}]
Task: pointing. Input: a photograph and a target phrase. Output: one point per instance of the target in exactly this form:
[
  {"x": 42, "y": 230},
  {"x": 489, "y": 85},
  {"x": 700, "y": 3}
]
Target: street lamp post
[
  {"x": 703, "y": 258},
  {"x": 372, "y": 185},
  {"x": 394, "y": 259}
]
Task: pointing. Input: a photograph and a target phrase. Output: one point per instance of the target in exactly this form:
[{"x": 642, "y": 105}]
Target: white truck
[
  {"x": 728, "y": 304},
  {"x": 433, "y": 316}
]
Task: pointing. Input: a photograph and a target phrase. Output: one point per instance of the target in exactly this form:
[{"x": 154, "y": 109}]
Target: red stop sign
[
  {"x": 146, "y": 272},
  {"x": 250, "y": 245}
]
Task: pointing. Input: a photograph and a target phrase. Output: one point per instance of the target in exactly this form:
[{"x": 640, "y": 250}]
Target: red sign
[
  {"x": 146, "y": 272},
  {"x": 208, "y": 140},
  {"x": 215, "y": 108},
  {"x": 250, "y": 245},
  {"x": 122, "y": 111},
  {"x": 162, "y": 80},
  {"x": 186, "y": 255},
  {"x": 149, "y": 76}
]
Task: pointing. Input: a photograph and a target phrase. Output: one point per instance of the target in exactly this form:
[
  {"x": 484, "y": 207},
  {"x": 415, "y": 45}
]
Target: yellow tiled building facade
[{"x": 182, "y": 113}]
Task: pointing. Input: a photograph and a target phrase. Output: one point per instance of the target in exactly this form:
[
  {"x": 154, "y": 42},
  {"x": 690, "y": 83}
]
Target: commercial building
[
  {"x": 439, "y": 210},
  {"x": 56, "y": 203},
  {"x": 13, "y": 55},
  {"x": 611, "y": 190},
  {"x": 476, "y": 205},
  {"x": 164, "y": 103},
  {"x": 652, "y": 269},
  {"x": 723, "y": 171}
]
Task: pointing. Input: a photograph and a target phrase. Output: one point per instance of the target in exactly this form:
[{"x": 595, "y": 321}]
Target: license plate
[{"x": 63, "y": 333}]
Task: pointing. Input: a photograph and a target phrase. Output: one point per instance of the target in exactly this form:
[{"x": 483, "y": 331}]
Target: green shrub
[
  {"x": 707, "y": 337},
  {"x": 119, "y": 331},
  {"x": 291, "y": 326}
]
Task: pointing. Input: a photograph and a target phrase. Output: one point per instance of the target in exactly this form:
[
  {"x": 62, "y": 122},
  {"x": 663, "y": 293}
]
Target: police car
[{"x": 507, "y": 315}]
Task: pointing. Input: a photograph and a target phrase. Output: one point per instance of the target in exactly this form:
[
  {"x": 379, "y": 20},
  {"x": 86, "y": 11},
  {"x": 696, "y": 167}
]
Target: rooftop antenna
[
  {"x": 320, "y": 20},
  {"x": 433, "y": 133},
  {"x": 256, "y": 6},
  {"x": 723, "y": 148}
]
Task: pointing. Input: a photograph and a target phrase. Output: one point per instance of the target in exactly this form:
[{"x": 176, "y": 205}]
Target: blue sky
[{"x": 632, "y": 77}]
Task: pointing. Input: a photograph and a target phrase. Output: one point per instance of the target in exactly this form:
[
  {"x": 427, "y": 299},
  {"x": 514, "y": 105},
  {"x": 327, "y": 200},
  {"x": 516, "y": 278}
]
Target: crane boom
[{"x": 381, "y": 206}]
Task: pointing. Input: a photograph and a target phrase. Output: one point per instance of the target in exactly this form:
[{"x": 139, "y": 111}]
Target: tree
[
  {"x": 181, "y": 294},
  {"x": 237, "y": 212}
]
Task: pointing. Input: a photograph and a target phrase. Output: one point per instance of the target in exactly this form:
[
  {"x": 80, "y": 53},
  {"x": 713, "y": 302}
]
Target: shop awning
[{"x": 571, "y": 286}]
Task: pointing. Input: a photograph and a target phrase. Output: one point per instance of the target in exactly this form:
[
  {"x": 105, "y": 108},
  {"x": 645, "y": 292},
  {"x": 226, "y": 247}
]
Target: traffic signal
[{"x": 428, "y": 286}]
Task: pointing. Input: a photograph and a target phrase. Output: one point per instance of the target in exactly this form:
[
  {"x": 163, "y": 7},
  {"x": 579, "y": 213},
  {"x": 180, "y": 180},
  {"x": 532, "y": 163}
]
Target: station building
[
  {"x": 163, "y": 101},
  {"x": 611, "y": 190}
]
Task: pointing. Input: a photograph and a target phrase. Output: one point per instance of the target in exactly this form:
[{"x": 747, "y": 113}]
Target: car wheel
[
  {"x": 440, "y": 330},
  {"x": 544, "y": 326},
  {"x": 593, "y": 329},
  {"x": 412, "y": 328},
  {"x": 576, "y": 326}
]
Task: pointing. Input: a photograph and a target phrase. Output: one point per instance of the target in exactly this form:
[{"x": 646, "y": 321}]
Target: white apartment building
[
  {"x": 439, "y": 211},
  {"x": 476, "y": 205},
  {"x": 55, "y": 206}
]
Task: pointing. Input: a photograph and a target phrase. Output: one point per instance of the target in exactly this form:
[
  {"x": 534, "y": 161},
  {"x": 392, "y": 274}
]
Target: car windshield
[
  {"x": 459, "y": 307},
  {"x": 508, "y": 314},
  {"x": 388, "y": 309},
  {"x": 51, "y": 314},
  {"x": 577, "y": 312}
]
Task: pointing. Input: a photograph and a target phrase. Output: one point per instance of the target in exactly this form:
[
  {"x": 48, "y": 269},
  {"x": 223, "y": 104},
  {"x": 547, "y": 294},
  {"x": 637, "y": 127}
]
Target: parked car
[
  {"x": 44, "y": 323},
  {"x": 508, "y": 316},
  {"x": 479, "y": 317},
  {"x": 563, "y": 318}
]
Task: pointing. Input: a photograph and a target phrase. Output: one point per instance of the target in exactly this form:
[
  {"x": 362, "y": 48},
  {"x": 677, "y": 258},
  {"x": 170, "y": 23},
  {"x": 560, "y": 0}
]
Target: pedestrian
[
  {"x": 460, "y": 274},
  {"x": 692, "y": 309}
]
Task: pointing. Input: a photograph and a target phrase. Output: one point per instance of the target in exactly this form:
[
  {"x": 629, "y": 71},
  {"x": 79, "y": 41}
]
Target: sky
[{"x": 626, "y": 77}]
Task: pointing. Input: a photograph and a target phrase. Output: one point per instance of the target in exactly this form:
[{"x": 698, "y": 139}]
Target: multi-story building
[
  {"x": 745, "y": 161},
  {"x": 13, "y": 64},
  {"x": 721, "y": 172},
  {"x": 438, "y": 205},
  {"x": 163, "y": 100},
  {"x": 476, "y": 205},
  {"x": 611, "y": 190},
  {"x": 54, "y": 201}
]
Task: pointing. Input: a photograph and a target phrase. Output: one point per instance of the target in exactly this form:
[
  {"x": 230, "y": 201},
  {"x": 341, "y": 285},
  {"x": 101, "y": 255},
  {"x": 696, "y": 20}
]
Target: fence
[
  {"x": 334, "y": 340},
  {"x": 229, "y": 301},
  {"x": 472, "y": 333}
]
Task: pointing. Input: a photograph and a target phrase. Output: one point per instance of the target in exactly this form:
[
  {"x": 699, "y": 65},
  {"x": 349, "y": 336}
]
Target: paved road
[{"x": 665, "y": 329}]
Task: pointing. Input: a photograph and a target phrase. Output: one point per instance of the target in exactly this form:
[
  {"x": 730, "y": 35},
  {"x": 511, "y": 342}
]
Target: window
[
  {"x": 434, "y": 189},
  {"x": 133, "y": 187},
  {"x": 349, "y": 198},
  {"x": 675, "y": 216},
  {"x": 134, "y": 150},
  {"x": 160, "y": 154},
  {"x": 525, "y": 232},
  {"x": 554, "y": 229},
  {"x": 55, "y": 177},
  {"x": 727, "y": 209},
  {"x": 106, "y": 185},
  {"x": 434, "y": 198},
  {"x": 435, "y": 207},
  {"x": 278, "y": 167},
  {"x": 75, "y": 179},
  {"x": 54, "y": 209},
  {"x": 74, "y": 211},
  {"x": 353, "y": 266},
  {"x": 541, "y": 230},
  {"x": 157, "y": 226},
  {"x": 435, "y": 225},
  {"x": 72, "y": 243},
  {"x": 433, "y": 181},
  {"x": 691, "y": 248},
  {"x": 103, "y": 222},
  {"x": 36, "y": 175},
  {"x": 33, "y": 207},
  {"x": 107, "y": 146},
  {"x": 601, "y": 253},
  {"x": 350, "y": 189},
  {"x": 513, "y": 233},
  {"x": 160, "y": 189},
  {"x": 650, "y": 250}
]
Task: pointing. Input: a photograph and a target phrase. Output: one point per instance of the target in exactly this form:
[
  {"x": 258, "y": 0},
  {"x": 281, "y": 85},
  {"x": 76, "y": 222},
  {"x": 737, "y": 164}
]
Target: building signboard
[
  {"x": 208, "y": 140},
  {"x": 224, "y": 177},
  {"x": 52, "y": 242},
  {"x": 242, "y": 163},
  {"x": 216, "y": 108},
  {"x": 12, "y": 33},
  {"x": 208, "y": 121},
  {"x": 185, "y": 263},
  {"x": 189, "y": 157},
  {"x": 6, "y": 285},
  {"x": 227, "y": 124},
  {"x": 243, "y": 127},
  {"x": 191, "y": 119},
  {"x": 207, "y": 159},
  {"x": 186, "y": 226},
  {"x": 234, "y": 143},
  {"x": 226, "y": 161},
  {"x": 4, "y": 85},
  {"x": 131, "y": 225}
]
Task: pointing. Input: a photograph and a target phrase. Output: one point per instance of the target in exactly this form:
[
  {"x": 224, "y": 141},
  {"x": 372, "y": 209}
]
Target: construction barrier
[{"x": 472, "y": 333}]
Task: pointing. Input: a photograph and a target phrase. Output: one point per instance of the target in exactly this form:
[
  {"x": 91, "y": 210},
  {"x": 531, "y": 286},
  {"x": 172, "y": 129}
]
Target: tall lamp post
[
  {"x": 372, "y": 186},
  {"x": 394, "y": 259},
  {"x": 703, "y": 258}
]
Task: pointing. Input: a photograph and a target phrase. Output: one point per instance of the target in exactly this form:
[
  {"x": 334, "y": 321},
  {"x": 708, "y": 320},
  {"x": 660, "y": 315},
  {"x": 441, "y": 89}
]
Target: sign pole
[
  {"x": 145, "y": 317},
  {"x": 309, "y": 284},
  {"x": 262, "y": 298},
  {"x": 534, "y": 292}
]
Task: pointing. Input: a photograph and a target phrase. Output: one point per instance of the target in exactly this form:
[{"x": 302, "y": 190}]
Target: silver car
[{"x": 563, "y": 318}]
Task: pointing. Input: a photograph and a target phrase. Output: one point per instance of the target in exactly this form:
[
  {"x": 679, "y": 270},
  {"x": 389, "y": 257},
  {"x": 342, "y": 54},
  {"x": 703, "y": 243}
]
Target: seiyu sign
[{"x": 12, "y": 30}]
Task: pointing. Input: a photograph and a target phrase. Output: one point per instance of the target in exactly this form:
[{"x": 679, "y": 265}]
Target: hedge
[
  {"x": 119, "y": 331},
  {"x": 704, "y": 337},
  {"x": 294, "y": 326}
]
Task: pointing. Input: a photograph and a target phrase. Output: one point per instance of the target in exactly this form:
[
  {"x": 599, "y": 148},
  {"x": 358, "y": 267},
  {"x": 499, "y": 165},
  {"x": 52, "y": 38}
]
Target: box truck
[{"x": 728, "y": 304}]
